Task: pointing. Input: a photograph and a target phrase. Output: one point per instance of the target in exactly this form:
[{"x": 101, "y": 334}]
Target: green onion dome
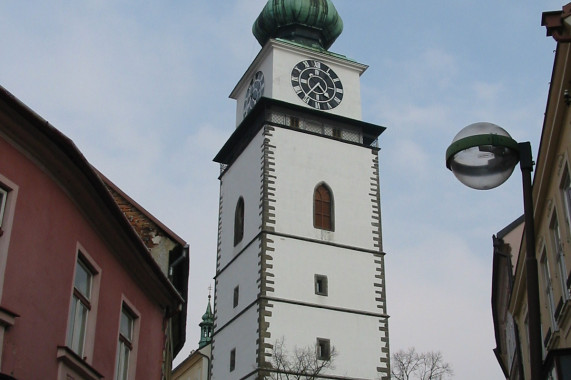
[{"x": 313, "y": 23}]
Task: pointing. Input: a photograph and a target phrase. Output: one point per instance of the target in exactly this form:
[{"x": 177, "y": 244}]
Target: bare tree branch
[
  {"x": 405, "y": 364},
  {"x": 410, "y": 365},
  {"x": 302, "y": 364},
  {"x": 434, "y": 367}
]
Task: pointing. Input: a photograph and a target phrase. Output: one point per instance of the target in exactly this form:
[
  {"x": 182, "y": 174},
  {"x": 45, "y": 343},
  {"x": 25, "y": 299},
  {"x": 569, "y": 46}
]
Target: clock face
[
  {"x": 254, "y": 92},
  {"x": 317, "y": 84}
]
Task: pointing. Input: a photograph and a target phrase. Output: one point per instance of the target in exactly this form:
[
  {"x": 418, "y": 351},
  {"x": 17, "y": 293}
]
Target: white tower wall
[
  {"x": 355, "y": 355},
  {"x": 294, "y": 281},
  {"x": 275, "y": 265},
  {"x": 242, "y": 179},
  {"x": 304, "y": 161},
  {"x": 276, "y": 61},
  {"x": 240, "y": 337}
]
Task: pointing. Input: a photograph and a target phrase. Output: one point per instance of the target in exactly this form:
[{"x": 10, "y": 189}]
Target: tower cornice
[{"x": 258, "y": 117}]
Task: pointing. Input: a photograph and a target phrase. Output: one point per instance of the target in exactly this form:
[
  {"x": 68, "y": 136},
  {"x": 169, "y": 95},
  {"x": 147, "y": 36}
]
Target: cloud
[
  {"x": 142, "y": 88},
  {"x": 435, "y": 285},
  {"x": 407, "y": 157}
]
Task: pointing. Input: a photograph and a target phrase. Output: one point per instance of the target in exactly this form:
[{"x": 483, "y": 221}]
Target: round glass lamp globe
[{"x": 482, "y": 156}]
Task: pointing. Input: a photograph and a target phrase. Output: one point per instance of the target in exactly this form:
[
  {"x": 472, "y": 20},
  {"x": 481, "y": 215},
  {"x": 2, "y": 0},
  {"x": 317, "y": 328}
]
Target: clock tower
[{"x": 300, "y": 262}]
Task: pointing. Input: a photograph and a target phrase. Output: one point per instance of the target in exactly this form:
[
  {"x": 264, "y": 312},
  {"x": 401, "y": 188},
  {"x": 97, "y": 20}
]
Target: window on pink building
[
  {"x": 126, "y": 343},
  {"x": 80, "y": 307},
  {"x": 3, "y": 198}
]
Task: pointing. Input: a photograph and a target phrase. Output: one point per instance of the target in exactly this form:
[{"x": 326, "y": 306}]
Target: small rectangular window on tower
[
  {"x": 232, "y": 360},
  {"x": 323, "y": 349},
  {"x": 321, "y": 288},
  {"x": 236, "y": 295},
  {"x": 337, "y": 133},
  {"x": 293, "y": 122}
]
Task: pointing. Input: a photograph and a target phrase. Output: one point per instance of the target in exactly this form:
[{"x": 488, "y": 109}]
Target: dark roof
[{"x": 258, "y": 117}]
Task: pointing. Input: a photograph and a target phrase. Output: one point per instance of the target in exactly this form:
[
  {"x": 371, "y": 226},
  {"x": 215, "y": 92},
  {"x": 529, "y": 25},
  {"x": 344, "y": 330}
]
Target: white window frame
[
  {"x": 89, "y": 330},
  {"x": 80, "y": 303},
  {"x": 548, "y": 289},
  {"x": 8, "y": 204},
  {"x": 126, "y": 344},
  {"x": 556, "y": 240},
  {"x": 3, "y": 201},
  {"x": 566, "y": 195}
]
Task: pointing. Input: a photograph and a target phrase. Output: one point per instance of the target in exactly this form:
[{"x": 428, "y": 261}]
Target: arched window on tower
[
  {"x": 239, "y": 222},
  {"x": 323, "y": 208}
]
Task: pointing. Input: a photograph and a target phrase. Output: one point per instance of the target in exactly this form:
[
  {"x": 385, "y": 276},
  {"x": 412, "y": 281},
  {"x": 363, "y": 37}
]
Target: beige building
[
  {"x": 552, "y": 212},
  {"x": 506, "y": 253},
  {"x": 195, "y": 367}
]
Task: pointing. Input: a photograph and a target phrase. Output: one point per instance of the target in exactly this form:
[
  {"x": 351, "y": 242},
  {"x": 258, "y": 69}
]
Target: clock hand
[{"x": 313, "y": 88}]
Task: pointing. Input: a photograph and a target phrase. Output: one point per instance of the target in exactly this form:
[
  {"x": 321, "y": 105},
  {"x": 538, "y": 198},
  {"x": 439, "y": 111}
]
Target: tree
[
  {"x": 303, "y": 364},
  {"x": 409, "y": 365},
  {"x": 404, "y": 364}
]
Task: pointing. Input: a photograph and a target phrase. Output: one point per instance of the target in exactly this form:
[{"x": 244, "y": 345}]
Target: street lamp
[{"x": 483, "y": 156}]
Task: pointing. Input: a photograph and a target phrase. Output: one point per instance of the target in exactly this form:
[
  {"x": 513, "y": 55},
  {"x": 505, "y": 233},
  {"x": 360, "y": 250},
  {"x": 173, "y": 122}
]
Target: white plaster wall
[
  {"x": 277, "y": 59},
  {"x": 350, "y": 275},
  {"x": 243, "y": 273},
  {"x": 285, "y": 60},
  {"x": 265, "y": 66},
  {"x": 242, "y": 336},
  {"x": 242, "y": 178},
  {"x": 301, "y": 326},
  {"x": 302, "y": 161}
]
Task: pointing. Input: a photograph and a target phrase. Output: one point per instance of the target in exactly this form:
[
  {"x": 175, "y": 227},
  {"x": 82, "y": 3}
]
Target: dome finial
[{"x": 313, "y": 23}]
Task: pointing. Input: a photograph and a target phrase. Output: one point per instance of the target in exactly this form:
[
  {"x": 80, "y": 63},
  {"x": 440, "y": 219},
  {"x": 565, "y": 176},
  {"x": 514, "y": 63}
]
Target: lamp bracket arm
[{"x": 525, "y": 156}]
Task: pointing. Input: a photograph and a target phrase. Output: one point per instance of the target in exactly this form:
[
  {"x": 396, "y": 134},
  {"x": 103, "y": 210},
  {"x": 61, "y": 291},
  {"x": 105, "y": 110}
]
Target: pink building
[{"x": 91, "y": 285}]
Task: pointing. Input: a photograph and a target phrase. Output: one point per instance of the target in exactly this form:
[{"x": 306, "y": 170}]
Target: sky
[{"x": 142, "y": 88}]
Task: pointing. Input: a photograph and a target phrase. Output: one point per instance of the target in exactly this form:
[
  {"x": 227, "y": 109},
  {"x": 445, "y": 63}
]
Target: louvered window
[{"x": 323, "y": 208}]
